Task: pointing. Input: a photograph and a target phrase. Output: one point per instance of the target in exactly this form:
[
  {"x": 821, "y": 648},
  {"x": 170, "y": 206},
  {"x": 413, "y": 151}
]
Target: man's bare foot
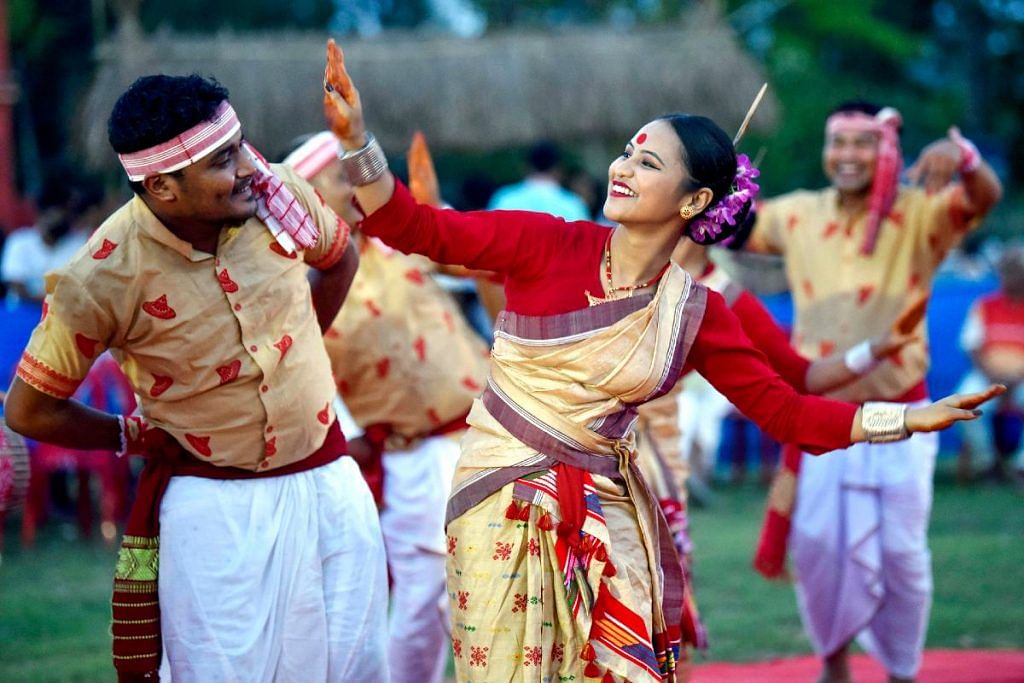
[{"x": 837, "y": 667}]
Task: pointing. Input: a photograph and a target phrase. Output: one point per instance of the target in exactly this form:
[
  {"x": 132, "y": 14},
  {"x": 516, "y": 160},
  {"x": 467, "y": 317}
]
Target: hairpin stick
[{"x": 750, "y": 114}]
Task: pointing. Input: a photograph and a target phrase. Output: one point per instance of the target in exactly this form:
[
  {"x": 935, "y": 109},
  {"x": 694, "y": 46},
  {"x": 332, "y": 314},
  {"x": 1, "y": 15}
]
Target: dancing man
[
  {"x": 408, "y": 367},
  {"x": 253, "y": 550},
  {"x": 856, "y": 253}
]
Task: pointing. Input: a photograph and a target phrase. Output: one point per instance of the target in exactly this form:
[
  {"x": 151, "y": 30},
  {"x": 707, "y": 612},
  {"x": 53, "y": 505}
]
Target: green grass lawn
[{"x": 54, "y": 609}]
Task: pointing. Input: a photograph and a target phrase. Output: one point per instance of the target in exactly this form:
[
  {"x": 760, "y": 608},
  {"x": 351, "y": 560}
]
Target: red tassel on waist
[{"x": 545, "y": 523}]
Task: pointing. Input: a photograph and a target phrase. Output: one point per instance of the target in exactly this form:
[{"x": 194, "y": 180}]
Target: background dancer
[
  {"x": 408, "y": 367},
  {"x": 856, "y": 253}
]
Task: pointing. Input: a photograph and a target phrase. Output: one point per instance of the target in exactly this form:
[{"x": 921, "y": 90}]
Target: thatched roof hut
[{"x": 505, "y": 89}]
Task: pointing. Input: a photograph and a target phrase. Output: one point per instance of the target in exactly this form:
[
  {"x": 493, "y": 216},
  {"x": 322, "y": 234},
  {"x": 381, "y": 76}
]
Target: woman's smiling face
[{"x": 646, "y": 183}]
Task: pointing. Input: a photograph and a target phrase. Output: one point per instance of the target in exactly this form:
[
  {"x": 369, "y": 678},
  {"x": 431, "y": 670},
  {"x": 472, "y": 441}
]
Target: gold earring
[{"x": 686, "y": 212}]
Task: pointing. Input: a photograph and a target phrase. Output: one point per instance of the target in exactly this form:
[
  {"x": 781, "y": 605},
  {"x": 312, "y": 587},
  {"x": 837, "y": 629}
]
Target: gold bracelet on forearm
[{"x": 884, "y": 422}]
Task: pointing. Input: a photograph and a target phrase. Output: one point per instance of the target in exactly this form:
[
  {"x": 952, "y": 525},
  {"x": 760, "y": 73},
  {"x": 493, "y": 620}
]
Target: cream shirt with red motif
[
  {"x": 842, "y": 296},
  {"x": 402, "y": 353},
  {"x": 224, "y": 351}
]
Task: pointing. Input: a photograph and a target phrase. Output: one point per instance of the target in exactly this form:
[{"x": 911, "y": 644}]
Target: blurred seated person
[
  {"x": 993, "y": 336},
  {"x": 542, "y": 189},
  {"x": 30, "y": 252}
]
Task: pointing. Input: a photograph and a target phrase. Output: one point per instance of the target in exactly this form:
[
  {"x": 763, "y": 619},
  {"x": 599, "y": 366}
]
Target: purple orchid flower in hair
[{"x": 706, "y": 228}]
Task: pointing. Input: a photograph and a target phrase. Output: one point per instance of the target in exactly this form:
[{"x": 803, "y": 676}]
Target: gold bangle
[{"x": 884, "y": 422}]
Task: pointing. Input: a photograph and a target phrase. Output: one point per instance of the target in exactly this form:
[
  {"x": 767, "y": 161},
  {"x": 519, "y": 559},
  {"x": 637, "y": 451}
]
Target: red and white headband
[
  {"x": 855, "y": 121},
  {"x": 184, "y": 149},
  {"x": 314, "y": 155}
]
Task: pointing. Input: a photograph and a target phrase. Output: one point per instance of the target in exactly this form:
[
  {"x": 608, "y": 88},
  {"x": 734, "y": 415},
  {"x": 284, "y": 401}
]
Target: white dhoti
[
  {"x": 860, "y": 549},
  {"x": 416, "y": 487},
  {"x": 279, "y": 579}
]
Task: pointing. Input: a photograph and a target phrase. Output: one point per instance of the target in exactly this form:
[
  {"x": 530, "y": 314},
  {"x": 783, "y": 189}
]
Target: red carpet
[{"x": 940, "y": 666}]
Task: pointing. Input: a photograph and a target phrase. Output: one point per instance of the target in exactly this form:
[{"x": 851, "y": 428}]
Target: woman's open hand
[
  {"x": 945, "y": 412},
  {"x": 342, "y": 106}
]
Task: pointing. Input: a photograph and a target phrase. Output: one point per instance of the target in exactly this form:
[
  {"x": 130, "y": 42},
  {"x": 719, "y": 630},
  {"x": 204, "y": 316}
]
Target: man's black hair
[
  {"x": 862, "y": 106},
  {"x": 156, "y": 108},
  {"x": 544, "y": 156}
]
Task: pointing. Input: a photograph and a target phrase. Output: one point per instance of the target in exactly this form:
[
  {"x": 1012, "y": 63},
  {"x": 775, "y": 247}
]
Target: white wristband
[
  {"x": 859, "y": 359},
  {"x": 124, "y": 436}
]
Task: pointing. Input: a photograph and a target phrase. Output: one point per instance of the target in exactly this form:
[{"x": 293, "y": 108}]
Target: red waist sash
[{"x": 135, "y": 603}]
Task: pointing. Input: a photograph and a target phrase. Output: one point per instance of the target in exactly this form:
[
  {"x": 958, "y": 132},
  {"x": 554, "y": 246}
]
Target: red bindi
[{"x": 640, "y": 139}]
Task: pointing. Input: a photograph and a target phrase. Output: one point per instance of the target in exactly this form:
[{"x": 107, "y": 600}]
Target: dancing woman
[{"x": 560, "y": 563}]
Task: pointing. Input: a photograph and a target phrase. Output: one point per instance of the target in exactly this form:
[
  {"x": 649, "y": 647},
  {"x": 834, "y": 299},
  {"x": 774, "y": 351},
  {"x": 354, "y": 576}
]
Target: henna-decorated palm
[
  {"x": 342, "y": 106},
  {"x": 945, "y": 412},
  {"x": 422, "y": 176},
  {"x": 902, "y": 331}
]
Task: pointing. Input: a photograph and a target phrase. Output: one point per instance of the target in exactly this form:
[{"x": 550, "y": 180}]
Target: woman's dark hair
[
  {"x": 156, "y": 108},
  {"x": 710, "y": 160}
]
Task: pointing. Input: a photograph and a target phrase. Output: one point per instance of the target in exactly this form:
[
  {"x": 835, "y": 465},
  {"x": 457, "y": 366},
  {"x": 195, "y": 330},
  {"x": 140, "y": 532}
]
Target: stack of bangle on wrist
[
  {"x": 884, "y": 422},
  {"x": 366, "y": 164}
]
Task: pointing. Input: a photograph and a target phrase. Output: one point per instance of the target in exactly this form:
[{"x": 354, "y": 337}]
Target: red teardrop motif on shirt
[
  {"x": 332, "y": 333},
  {"x": 272, "y": 446},
  {"x": 448, "y": 321},
  {"x": 161, "y": 383},
  {"x": 896, "y": 217},
  {"x": 808, "y": 288},
  {"x": 283, "y": 345},
  {"x": 470, "y": 384},
  {"x": 383, "y": 367},
  {"x": 915, "y": 280},
  {"x": 864, "y": 293},
  {"x": 831, "y": 229},
  {"x": 46, "y": 309},
  {"x": 229, "y": 372},
  {"x": 200, "y": 443},
  {"x": 826, "y": 348},
  {"x": 374, "y": 309},
  {"x": 414, "y": 276},
  {"x": 421, "y": 348},
  {"x": 226, "y": 283},
  {"x": 280, "y": 251},
  {"x": 86, "y": 345},
  {"x": 325, "y": 414},
  {"x": 158, "y": 308},
  {"x": 792, "y": 221},
  {"x": 105, "y": 250}
]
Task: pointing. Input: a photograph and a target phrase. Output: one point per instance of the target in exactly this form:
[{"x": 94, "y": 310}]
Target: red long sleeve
[
  {"x": 549, "y": 264},
  {"x": 767, "y": 336},
  {"x": 724, "y": 355}
]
